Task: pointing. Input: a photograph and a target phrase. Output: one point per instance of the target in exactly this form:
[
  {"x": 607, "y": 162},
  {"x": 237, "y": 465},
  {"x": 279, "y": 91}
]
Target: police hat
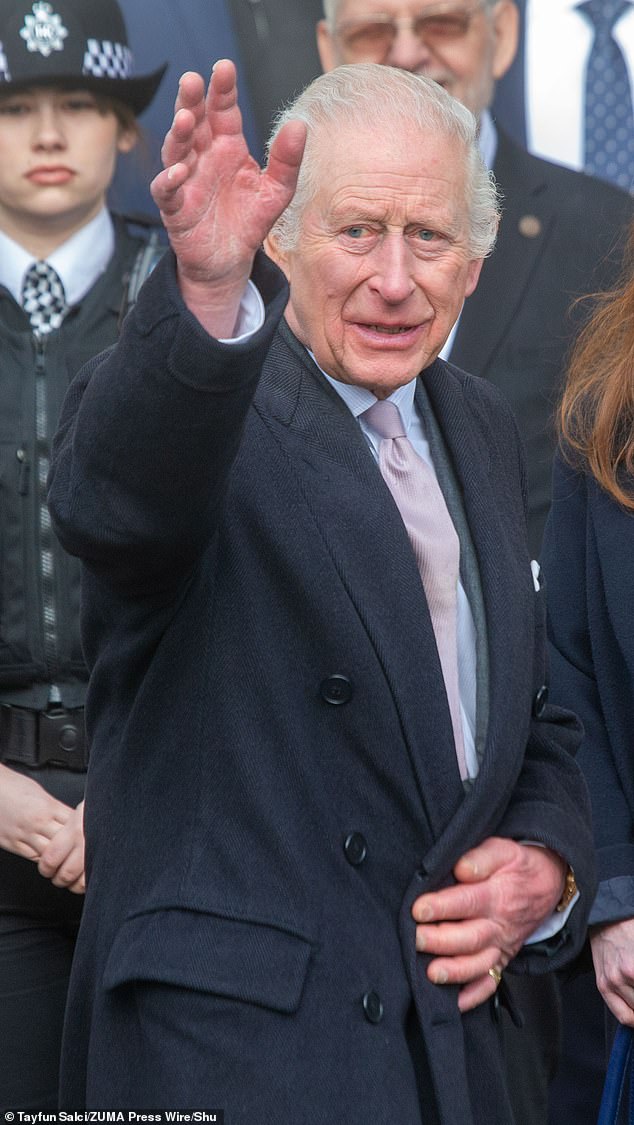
[{"x": 71, "y": 42}]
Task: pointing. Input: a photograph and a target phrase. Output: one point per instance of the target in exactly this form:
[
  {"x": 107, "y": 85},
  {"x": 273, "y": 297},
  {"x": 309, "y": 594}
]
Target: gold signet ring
[{"x": 496, "y": 974}]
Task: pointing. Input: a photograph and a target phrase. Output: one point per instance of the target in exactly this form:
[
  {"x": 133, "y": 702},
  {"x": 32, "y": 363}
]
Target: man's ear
[
  {"x": 506, "y": 28},
  {"x": 277, "y": 255},
  {"x": 326, "y": 47},
  {"x": 473, "y": 275}
]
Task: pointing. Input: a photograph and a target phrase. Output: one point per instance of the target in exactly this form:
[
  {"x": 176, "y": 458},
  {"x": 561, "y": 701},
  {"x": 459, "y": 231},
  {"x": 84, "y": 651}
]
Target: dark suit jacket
[
  {"x": 559, "y": 237},
  {"x": 588, "y": 560},
  {"x": 509, "y": 109},
  {"x": 273, "y": 778},
  {"x": 278, "y": 49},
  {"x": 272, "y": 43}
]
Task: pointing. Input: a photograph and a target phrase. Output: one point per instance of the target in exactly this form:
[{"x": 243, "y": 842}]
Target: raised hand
[{"x": 215, "y": 201}]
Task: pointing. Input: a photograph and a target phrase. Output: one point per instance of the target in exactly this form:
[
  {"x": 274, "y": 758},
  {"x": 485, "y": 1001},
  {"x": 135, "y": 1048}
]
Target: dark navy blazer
[
  {"x": 273, "y": 777},
  {"x": 588, "y": 561},
  {"x": 509, "y": 101}
]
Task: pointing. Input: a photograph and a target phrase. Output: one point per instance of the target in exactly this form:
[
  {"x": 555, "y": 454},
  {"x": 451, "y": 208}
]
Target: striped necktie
[{"x": 436, "y": 545}]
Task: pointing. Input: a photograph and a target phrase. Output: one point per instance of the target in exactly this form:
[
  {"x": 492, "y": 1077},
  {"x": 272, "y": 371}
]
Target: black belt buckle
[
  {"x": 38, "y": 738},
  {"x": 62, "y": 739}
]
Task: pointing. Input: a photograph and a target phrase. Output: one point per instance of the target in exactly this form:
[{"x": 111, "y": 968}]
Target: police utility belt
[{"x": 55, "y": 737}]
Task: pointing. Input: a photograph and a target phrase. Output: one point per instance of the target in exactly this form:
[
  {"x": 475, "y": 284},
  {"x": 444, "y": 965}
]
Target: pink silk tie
[{"x": 433, "y": 536}]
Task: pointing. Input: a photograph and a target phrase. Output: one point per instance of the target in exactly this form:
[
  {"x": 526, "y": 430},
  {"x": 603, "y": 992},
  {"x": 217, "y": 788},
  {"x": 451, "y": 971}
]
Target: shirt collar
[
  {"x": 79, "y": 261},
  {"x": 487, "y": 139},
  {"x": 359, "y": 399}
]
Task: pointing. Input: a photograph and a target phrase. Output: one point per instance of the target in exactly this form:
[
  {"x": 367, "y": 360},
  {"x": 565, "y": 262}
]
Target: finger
[
  {"x": 618, "y": 983},
  {"x": 64, "y": 853},
  {"x": 78, "y": 887},
  {"x": 50, "y": 863},
  {"x": 449, "y": 939},
  {"x": 67, "y": 871},
  {"x": 453, "y": 904},
  {"x": 191, "y": 94},
  {"x": 31, "y": 850},
  {"x": 623, "y": 1012},
  {"x": 476, "y": 993},
  {"x": 286, "y": 154},
  {"x": 482, "y": 862},
  {"x": 179, "y": 141},
  {"x": 223, "y": 111},
  {"x": 67, "y": 875},
  {"x": 461, "y": 970},
  {"x": 166, "y": 188},
  {"x": 32, "y": 844},
  {"x": 59, "y": 852}
]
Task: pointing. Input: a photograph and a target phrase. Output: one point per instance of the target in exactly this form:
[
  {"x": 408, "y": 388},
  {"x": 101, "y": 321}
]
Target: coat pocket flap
[{"x": 247, "y": 961}]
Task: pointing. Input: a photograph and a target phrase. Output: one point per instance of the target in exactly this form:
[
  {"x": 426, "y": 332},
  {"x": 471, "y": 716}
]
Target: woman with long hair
[{"x": 588, "y": 562}]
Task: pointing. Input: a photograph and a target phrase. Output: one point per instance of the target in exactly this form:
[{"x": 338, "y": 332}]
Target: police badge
[{"x": 43, "y": 31}]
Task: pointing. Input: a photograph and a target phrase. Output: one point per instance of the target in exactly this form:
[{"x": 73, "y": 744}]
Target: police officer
[{"x": 69, "y": 100}]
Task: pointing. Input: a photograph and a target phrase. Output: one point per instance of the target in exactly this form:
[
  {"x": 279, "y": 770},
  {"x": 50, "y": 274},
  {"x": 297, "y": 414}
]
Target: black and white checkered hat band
[{"x": 104, "y": 59}]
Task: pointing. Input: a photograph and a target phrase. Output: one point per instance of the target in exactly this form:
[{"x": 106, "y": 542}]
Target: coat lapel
[
  {"x": 496, "y": 529},
  {"x": 527, "y": 225},
  {"x": 365, "y": 536},
  {"x": 367, "y": 541}
]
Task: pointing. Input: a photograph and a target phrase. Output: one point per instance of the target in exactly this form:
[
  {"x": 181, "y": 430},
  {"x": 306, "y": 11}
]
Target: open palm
[{"x": 216, "y": 203}]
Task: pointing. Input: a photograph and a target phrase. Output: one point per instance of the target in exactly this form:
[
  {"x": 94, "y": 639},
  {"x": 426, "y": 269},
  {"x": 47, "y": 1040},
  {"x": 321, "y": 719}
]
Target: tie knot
[
  {"x": 385, "y": 420},
  {"x": 603, "y": 13},
  {"x": 43, "y": 297}
]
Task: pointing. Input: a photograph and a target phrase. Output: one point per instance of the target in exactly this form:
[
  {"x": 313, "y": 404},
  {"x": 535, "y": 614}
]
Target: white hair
[{"x": 366, "y": 93}]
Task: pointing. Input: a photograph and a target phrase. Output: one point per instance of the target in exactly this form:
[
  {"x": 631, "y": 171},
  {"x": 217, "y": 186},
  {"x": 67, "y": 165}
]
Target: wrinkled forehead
[
  {"x": 357, "y": 133},
  {"x": 393, "y": 155}
]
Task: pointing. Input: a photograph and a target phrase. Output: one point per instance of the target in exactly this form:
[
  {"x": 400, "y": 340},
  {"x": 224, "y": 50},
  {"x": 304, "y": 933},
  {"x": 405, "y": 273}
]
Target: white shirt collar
[
  {"x": 487, "y": 139},
  {"x": 79, "y": 261},
  {"x": 359, "y": 399}
]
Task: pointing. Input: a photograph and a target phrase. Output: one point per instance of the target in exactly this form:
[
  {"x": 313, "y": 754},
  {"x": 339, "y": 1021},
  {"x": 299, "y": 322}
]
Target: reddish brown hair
[{"x": 596, "y": 415}]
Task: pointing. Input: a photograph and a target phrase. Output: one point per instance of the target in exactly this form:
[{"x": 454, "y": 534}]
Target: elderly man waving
[{"x": 312, "y": 625}]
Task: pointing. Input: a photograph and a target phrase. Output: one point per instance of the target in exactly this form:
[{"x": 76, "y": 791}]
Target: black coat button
[
  {"x": 336, "y": 690},
  {"x": 355, "y": 848},
  {"x": 540, "y": 701},
  {"x": 373, "y": 1007}
]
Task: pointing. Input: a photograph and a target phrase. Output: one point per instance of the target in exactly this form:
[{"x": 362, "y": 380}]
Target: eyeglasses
[{"x": 371, "y": 37}]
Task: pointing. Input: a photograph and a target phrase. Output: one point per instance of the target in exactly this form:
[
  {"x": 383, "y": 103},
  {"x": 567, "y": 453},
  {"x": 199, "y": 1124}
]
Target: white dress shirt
[
  {"x": 79, "y": 261},
  {"x": 558, "y": 39}
]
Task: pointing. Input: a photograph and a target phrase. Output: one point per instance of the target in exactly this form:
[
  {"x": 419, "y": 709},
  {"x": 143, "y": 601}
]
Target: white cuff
[{"x": 250, "y": 316}]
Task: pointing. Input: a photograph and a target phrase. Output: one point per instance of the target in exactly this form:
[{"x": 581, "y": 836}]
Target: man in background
[
  {"x": 560, "y": 231},
  {"x": 574, "y": 106}
]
